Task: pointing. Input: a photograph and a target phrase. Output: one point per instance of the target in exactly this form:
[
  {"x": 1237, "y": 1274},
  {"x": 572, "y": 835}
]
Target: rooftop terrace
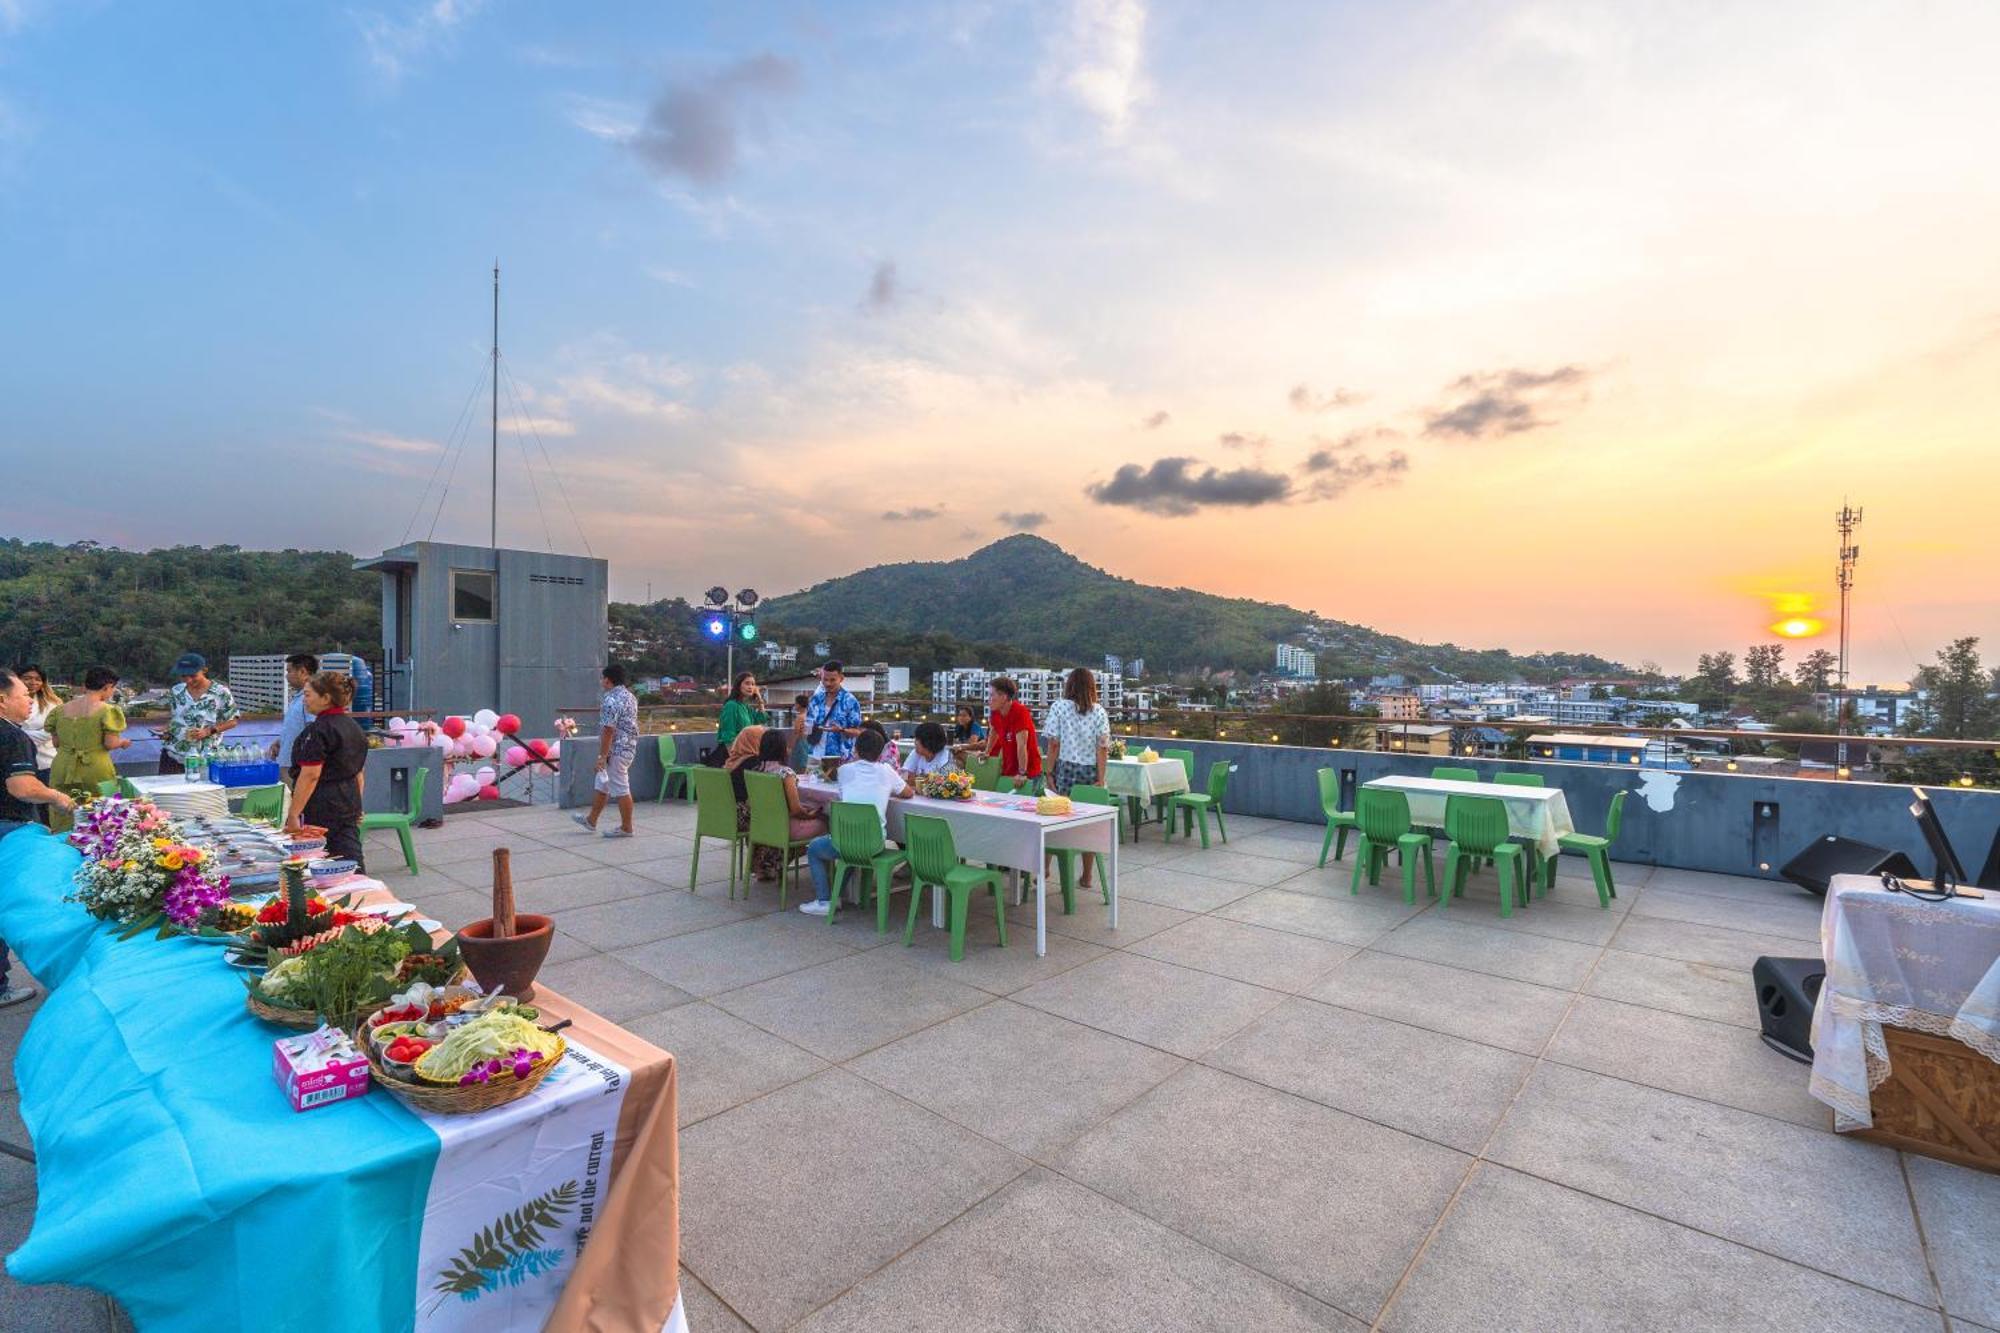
[{"x": 1262, "y": 1103}]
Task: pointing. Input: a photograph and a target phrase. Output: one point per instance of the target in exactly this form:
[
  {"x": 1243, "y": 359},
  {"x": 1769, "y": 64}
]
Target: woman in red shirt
[{"x": 1010, "y": 731}]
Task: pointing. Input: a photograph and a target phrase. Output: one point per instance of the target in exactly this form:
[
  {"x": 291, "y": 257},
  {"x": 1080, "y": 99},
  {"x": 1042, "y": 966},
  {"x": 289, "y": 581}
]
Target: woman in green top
[
  {"x": 86, "y": 730},
  {"x": 744, "y": 708}
]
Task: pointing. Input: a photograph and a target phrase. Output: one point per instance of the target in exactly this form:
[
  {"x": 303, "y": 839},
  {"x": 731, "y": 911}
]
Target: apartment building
[
  {"x": 1296, "y": 661},
  {"x": 1399, "y": 705}
]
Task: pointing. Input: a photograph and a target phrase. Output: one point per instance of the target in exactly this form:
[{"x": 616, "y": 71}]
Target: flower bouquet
[
  {"x": 139, "y": 873},
  {"x": 953, "y": 785},
  {"x": 1117, "y": 750}
]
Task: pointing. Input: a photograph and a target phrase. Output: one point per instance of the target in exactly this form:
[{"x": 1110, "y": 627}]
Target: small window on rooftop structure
[{"x": 471, "y": 595}]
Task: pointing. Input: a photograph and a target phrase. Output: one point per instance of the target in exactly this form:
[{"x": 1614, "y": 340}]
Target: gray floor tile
[
  {"x": 1342, "y": 919},
  {"x": 474, "y": 864},
  {"x": 1722, "y": 886},
  {"x": 611, "y": 989},
  {"x": 1697, "y": 1057},
  {"x": 1092, "y": 921},
  {"x": 447, "y": 903},
  {"x": 1590, "y": 925},
  {"x": 17, "y": 1178},
  {"x": 1477, "y": 946},
  {"x": 1017, "y": 1075},
  {"x": 1001, "y": 971},
  {"x": 1613, "y": 1269},
  {"x": 566, "y": 948},
  {"x": 1172, "y": 886},
  {"x": 630, "y": 921},
  {"x": 649, "y": 845},
  {"x": 1174, "y": 1008},
  {"x": 1284, "y": 847},
  {"x": 707, "y": 962},
  {"x": 1425, "y": 1083},
  {"x": 1959, "y": 1208},
  {"x": 1229, "y": 863},
  {"x": 1828, "y": 1202},
  {"x": 838, "y": 1010},
  {"x": 721, "y": 1060},
  {"x": 1512, "y": 1015},
  {"x": 25, "y": 1309},
  {"x": 1047, "y": 1254},
  {"x": 779, "y": 1215},
  {"x": 1331, "y": 1204},
  {"x": 1701, "y": 990},
  {"x": 1269, "y": 958},
  {"x": 1786, "y": 911},
  {"x": 1713, "y": 945},
  {"x": 583, "y": 888},
  {"x": 704, "y": 1309}
]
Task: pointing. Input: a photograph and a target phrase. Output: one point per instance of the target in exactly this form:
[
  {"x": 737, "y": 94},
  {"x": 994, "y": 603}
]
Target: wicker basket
[
  {"x": 302, "y": 1020},
  {"x": 465, "y": 1099}
]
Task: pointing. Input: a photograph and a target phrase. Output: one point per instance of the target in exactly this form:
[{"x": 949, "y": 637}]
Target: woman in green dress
[
  {"x": 744, "y": 708},
  {"x": 86, "y": 730}
]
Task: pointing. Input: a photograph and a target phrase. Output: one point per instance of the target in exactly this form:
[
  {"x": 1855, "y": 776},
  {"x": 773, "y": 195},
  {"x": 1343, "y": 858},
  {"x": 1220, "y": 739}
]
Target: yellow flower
[
  {"x": 161, "y": 844},
  {"x": 171, "y": 861}
]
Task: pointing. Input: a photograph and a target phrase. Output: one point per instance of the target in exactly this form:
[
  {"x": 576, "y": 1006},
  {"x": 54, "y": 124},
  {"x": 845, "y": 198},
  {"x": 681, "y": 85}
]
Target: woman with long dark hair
[
  {"x": 331, "y": 754},
  {"x": 743, "y": 708}
]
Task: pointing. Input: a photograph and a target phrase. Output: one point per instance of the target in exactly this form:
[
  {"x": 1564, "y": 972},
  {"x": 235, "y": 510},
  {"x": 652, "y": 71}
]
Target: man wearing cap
[{"x": 203, "y": 709}]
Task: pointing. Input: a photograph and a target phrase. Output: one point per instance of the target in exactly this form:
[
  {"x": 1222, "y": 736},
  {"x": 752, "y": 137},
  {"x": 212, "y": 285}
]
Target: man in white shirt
[{"x": 865, "y": 778}]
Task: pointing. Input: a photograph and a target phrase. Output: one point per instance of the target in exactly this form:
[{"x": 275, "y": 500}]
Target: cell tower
[{"x": 1847, "y": 520}]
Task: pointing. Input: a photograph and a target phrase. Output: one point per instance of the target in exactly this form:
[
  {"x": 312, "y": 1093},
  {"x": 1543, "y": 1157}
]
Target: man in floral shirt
[
  {"x": 203, "y": 710},
  {"x": 832, "y": 716},
  {"x": 617, "y": 747}
]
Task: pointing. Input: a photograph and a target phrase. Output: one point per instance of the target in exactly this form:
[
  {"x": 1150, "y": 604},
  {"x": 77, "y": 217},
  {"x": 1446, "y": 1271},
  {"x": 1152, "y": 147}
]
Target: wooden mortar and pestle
[{"x": 506, "y": 950}]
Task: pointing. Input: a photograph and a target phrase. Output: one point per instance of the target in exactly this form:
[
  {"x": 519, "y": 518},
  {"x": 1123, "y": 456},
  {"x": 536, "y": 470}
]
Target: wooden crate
[{"x": 1941, "y": 1099}]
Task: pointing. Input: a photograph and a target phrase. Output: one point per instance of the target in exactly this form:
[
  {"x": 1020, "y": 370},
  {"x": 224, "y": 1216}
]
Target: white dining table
[
  {"x": 1539, "y": 815},
  {"x": 1003, "y": 830}
]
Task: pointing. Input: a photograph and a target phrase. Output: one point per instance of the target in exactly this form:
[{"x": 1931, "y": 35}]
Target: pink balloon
[
  {"x": 484, "y": 746},
  {"x": 508, "y": 724},
  {"x": 453, "y": 727},
  {"x": 486, "y": 776},
  {"x": 441, "y": 742},
  {"x": 489, "y": 793},
  {"x": 515, "y": 756}
]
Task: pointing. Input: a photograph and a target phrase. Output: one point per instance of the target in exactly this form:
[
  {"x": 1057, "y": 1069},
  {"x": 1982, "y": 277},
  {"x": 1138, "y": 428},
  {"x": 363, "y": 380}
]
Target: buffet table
[
  {"x": 173, "y": 1174},
  {"x": 1897, "y": 968}
]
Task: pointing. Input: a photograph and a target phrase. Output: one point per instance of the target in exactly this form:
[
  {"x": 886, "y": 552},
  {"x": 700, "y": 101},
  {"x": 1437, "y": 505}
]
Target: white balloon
[
  {"x": 485, "y": 776},
  {"x": 485, "y": 717},
  {"x": 441, "y": 741},
  {"x": 399, "y": 723},
  {"x": 484, "y": 745}
]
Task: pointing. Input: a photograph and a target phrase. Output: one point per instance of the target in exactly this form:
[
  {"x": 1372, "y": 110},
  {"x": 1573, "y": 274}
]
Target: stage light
[
  {"x": 747, "y": 598},
  {"x": 716, "y": 628},
  {"x": 748, "y": 631},
  {"x": 718, "y": 596}
]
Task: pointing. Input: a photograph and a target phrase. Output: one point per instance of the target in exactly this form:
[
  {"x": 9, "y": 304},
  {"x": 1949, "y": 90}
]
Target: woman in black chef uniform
[{"x": 330, "y": 753}]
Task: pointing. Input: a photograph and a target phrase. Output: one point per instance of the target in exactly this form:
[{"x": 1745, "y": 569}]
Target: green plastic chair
[
  {"x": 403, "y": 822},
  {"x": 771, "y": 824},
  {"x": 267, "y": 803},
  {"x": 715, "y": 817},
  {"x": 1597, "y": 850},
  {"x": 671, "y": 768},
  {"x": 856, "y": 827},
  {"x": 1199, "y": 805},
  {"x": 1520, "y": 779},
  {"x": 1027, "y": 786},
  {"x": 1477, "y": 827},
  {"x": 1384, "y": 825},
  {"x": 108, "y": 787},
  {"x": 1068, "y": 858},
  {"x": 1339, "y": 822},
  {"x": 985, "y": 772},
  {"x": 934, "y": 864},
  {"x": 1446, "y": 773},
  {"x": 1163, "y": 805},
  {"x": 128, "y": 789}
]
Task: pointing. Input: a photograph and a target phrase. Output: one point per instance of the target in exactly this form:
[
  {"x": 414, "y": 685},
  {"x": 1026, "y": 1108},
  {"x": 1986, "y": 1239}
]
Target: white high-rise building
[{"x": 1296, "y": 661}]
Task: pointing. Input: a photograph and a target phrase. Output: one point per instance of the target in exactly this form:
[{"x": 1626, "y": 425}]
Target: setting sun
[{"x": 1798, "y": 627}]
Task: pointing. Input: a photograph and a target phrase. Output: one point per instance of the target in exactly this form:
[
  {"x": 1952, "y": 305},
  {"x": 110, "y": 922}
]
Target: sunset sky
[{"x": 1537, "y": 325}]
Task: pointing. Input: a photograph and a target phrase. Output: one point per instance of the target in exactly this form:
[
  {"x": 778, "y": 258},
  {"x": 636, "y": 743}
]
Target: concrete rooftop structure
[{"x": 1262, "y": 1103}]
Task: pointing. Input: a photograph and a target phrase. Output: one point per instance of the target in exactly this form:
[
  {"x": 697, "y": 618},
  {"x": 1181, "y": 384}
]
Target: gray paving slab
[
  {"x": 722, "y": 1061},
  {"x": 1273, "y": 959},
  {"x": 1331, "y": 1204},
  {"x": 1356, "y": 920},
  {"x": 1233, "y": 864},
  {"x": 1021, "y": 1077},
  {"x": 631, "y": 921},
  {"x": 1785, "y": 911},
  {"x": 1479, "y": 946},
  {"x": 1047, "y": 1254},
  {"x": 1173, "y": 1008},
  {"x": 780, "y": 1214},
  {"x": 1609, "y": 1269},
  {"x": 1092, "y": 921},
  {"x": 707, "y": 962},
  {"x": 839, "y": 1009},
  {"x": 611, "y": 989},
  {"x": 704, "y": 1309},
  {"x": 1700, "y": 990},
  {"x": 1828, "y": 1202},
  {"x": 1173, "y": 886},
  {"x": 1960, "y": 1212},
  {"x": 1716, "y": 946},
  {"x": 1513, "y": 1015},
  {"x": 1438, "y": 1087}
]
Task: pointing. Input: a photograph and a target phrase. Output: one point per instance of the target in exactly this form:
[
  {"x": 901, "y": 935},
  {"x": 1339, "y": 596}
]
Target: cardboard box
[{"x": 319, "y": 1067}]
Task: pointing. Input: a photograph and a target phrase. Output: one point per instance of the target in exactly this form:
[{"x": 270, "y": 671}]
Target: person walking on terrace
[{"x": 617, "y": 747}]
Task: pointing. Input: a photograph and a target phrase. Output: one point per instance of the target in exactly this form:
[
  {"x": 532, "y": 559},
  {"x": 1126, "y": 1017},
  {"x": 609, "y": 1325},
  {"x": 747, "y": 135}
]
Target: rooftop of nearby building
[{"x": 1264, "y": 1102}]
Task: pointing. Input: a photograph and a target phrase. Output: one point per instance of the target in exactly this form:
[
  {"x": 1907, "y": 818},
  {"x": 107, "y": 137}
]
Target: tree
[
  {"x": 1717, "y": 672},
  {"x": 1956, "y": 703},
  {"x": 1763, "y": 665},
  {"x": 1815, "y": 671}
]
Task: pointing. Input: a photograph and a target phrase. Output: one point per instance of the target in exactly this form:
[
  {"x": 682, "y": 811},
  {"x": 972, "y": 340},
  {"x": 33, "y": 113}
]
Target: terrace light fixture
[{"x": 1731, "y": 766}]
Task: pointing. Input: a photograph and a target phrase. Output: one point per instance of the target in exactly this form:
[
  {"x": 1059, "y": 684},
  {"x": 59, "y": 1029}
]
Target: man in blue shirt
[
  {"x": 833, "y": 716},
  {"x": 299, "y": 668}
]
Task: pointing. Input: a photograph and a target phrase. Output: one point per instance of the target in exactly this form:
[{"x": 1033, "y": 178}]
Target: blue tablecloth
[{"x": 172, "y": 1173}]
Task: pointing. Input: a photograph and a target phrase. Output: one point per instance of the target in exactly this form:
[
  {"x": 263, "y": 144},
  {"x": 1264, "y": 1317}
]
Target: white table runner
[{"x": 1538, "y": 814}]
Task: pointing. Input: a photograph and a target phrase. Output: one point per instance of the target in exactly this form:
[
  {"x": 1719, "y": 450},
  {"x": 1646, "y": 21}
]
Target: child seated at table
[
  {"x": 869, "y": 781},
  {"x": 932, "y": 753}
]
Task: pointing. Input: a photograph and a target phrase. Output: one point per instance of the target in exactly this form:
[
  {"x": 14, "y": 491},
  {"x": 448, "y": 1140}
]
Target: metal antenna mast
[
  {"x": 1847, "y": 520},
  {"x": 493, "y": 496}
]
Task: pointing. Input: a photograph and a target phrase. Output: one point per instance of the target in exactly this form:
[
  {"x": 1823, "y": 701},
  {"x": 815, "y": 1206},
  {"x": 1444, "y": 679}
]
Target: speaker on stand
[{"x": 1824, "y": 857}]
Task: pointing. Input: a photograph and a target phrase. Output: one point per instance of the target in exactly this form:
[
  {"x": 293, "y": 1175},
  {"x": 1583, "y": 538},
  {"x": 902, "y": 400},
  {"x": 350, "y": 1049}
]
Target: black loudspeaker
[
  {"x": 1787, "y": 989},
  {"x": 1831, "y": 855}
]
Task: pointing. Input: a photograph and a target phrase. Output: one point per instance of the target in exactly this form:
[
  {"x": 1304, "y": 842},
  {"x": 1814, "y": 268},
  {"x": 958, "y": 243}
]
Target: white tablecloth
[
  {"x": 1897, "y": 960},
  {"x": 1538, "y": 814},
  {"x": 1129, "y": 777},
  {"x": 176, "y": 795}
]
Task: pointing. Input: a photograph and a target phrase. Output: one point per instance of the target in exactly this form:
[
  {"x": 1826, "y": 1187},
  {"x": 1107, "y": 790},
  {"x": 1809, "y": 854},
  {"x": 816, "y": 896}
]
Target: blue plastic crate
[{"x": 260, "y": 774}]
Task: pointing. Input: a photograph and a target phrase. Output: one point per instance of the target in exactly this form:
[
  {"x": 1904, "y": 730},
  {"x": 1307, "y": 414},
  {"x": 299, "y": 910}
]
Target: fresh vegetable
[{"x": 491, "y": 1036}]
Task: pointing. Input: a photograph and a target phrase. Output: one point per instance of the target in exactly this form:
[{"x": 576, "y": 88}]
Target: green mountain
[{"x": 1029, "y": 592}]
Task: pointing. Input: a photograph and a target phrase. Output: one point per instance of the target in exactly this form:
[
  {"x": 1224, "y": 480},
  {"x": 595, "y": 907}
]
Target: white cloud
[
  {"x": 396, "y": 44},
  {"x": 601, "y": 118},
  {"x": 1101, "y": 59}
]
